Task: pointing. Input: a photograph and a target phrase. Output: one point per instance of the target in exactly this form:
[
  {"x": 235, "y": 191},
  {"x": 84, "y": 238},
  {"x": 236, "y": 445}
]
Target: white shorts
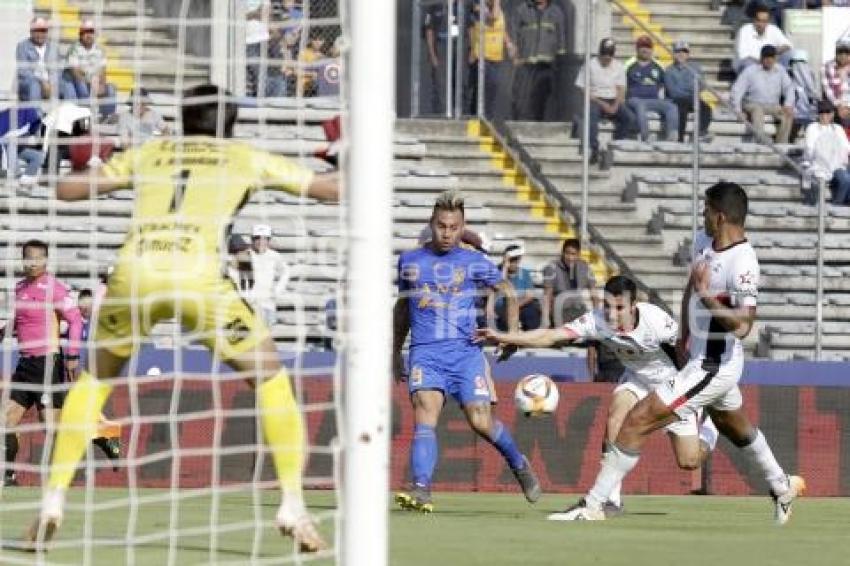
[
  {"x": 695, "y": 388},
  {"x": 687, "y": 426}
]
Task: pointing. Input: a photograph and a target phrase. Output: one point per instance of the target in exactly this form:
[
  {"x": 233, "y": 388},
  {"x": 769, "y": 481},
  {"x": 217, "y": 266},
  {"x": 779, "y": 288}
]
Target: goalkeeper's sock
[
  {"x": 77, "y": 426},
  {"x": 423, "y": 455},
  {"x": 502, "y": 440},
  {"x": 283, "y": 430}
]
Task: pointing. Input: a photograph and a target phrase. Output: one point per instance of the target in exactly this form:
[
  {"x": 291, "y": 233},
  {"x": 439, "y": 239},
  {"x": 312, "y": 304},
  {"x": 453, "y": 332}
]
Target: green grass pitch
[{"x": 471, "y": 530}]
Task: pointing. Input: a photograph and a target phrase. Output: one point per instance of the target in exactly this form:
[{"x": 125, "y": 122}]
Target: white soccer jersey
[
  {"x": 640, "y": 350},
  {"x": 734, "y": 282}
]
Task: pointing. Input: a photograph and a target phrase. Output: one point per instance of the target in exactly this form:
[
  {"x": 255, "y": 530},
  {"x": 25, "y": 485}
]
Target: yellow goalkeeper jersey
[{"x": 187, "y": 193}]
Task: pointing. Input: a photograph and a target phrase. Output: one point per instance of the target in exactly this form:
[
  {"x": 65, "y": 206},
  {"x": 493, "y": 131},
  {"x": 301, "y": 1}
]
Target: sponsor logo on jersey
[
  {"x": 745, "y": 278},
  {"x": 236, "y": 331}
]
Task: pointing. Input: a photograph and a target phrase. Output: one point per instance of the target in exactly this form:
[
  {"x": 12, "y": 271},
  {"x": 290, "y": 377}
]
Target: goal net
[{"x": 194, "y": 481}]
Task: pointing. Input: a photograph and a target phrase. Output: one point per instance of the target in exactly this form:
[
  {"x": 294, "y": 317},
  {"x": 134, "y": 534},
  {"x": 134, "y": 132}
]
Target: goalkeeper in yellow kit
[{"x": 170, "y": 266}]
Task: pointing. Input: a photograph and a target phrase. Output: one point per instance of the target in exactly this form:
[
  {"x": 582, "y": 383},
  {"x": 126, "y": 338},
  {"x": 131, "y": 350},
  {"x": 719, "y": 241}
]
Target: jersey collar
[{"x": 729, "y": 247}]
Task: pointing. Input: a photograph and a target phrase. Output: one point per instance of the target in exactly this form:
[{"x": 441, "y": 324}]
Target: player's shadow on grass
[
  {"x": 16, "y": 546},
  {"x": 205, "y": 549},
  {"x": 627, "y": 514},
  {"x": 459, "y": 513}
]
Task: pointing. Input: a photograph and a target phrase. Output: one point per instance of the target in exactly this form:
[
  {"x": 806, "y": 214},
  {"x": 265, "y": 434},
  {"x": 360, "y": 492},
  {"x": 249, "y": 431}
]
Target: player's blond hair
[{"x": 449, "y": 201}]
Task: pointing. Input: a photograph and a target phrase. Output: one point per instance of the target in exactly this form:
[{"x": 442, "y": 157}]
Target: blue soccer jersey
[{"x": 441, "y": 290}]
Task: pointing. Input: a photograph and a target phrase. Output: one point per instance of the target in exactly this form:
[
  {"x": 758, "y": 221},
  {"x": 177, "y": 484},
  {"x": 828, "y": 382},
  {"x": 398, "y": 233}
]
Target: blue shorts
[{"x": 456, "y": 370}]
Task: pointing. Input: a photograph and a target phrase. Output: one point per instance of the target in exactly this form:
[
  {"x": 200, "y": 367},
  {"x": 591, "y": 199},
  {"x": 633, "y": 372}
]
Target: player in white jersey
[
  {"x": 642, "y": 336},
  {"x": 718, "y": 311}
]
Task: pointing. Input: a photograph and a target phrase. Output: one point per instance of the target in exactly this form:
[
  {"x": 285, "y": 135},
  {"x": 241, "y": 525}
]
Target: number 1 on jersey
[{"x": 181, "y": 180}]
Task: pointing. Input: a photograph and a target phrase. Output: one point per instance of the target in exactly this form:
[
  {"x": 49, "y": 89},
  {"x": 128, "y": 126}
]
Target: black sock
[{"x": 12, "y": 446}]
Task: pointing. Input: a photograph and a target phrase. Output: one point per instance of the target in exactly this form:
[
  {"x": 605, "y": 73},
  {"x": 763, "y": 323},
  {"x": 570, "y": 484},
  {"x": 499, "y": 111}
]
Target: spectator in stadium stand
[
  {"x": 141, "y": 122},
  {"x": 568, "y": 282},
  {"x": 805, "y": 91},
  {"x": 311, "y": 58},
  {"x": 284, "y": 42},
  {"x": 329, "y": 71},
  {"x": 753, "y": 37},
  {"x": 18, "y": 126},
  {"x": 259, "y": 272},
  {"x": 536, "y": 38},
  {"x": 85, "y": 72},
  {"x": 257, "y": 14},
  {"x": 85, "y": 304},
  {"x": 607, "y": 97},
  {"x": 520, "y": 278},
  {"x": 826, "y": 152},
  {"x": 644, "y": 84},
  {"x": 836, "y": 82},
  {"x": 765, "y": 89},
  {"x": 37, "y": 64},
  {"x": 679, "y": 88},
  {"x": 270, "y": 274},
  {"x": 495, "y": 56},
  {"x": 438, "y": 32}
]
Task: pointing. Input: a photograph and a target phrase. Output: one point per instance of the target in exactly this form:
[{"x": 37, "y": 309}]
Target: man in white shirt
[
  {"x": 718, "y": 312},
  {"x": 753, "y": 36},
  {"x": 607, "y": 97},
  {"x": 827, "y": 150},
  {"x": 85, "y": 75},
  {"x": 268, "y": 276}
]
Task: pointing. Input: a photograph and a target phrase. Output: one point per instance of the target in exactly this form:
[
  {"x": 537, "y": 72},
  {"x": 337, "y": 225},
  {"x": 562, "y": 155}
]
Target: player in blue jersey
[{"x": 438, "y": 285}]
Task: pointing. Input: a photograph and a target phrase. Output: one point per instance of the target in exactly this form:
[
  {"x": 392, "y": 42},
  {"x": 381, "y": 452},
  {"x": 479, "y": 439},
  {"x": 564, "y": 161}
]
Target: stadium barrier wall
[{"x": 808, "y": 427}]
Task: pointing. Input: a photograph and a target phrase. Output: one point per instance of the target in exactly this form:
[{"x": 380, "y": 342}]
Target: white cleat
[
  {"x": 302, "y": 529},
  {"x": 579, "y": 512},
  {"x": 782, "y": 503},
  {"x": 41, "y": 531}
]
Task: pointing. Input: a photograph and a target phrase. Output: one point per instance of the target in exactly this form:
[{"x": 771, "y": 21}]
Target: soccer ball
[{"x": 536, "y": 395}]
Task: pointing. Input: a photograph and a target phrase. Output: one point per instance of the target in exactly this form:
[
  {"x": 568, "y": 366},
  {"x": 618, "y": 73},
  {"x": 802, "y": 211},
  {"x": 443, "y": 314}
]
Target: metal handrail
[{"x": 532, "y": 170}]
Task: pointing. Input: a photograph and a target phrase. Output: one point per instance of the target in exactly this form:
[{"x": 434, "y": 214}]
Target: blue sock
[
  {"x": 504, "y": 443},
  {"x": 423, "y": 455}
]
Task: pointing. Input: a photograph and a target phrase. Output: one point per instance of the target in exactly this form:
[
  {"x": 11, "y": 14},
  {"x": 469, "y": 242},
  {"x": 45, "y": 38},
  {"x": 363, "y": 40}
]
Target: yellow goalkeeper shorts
[{"x": 208, "y": 307}]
